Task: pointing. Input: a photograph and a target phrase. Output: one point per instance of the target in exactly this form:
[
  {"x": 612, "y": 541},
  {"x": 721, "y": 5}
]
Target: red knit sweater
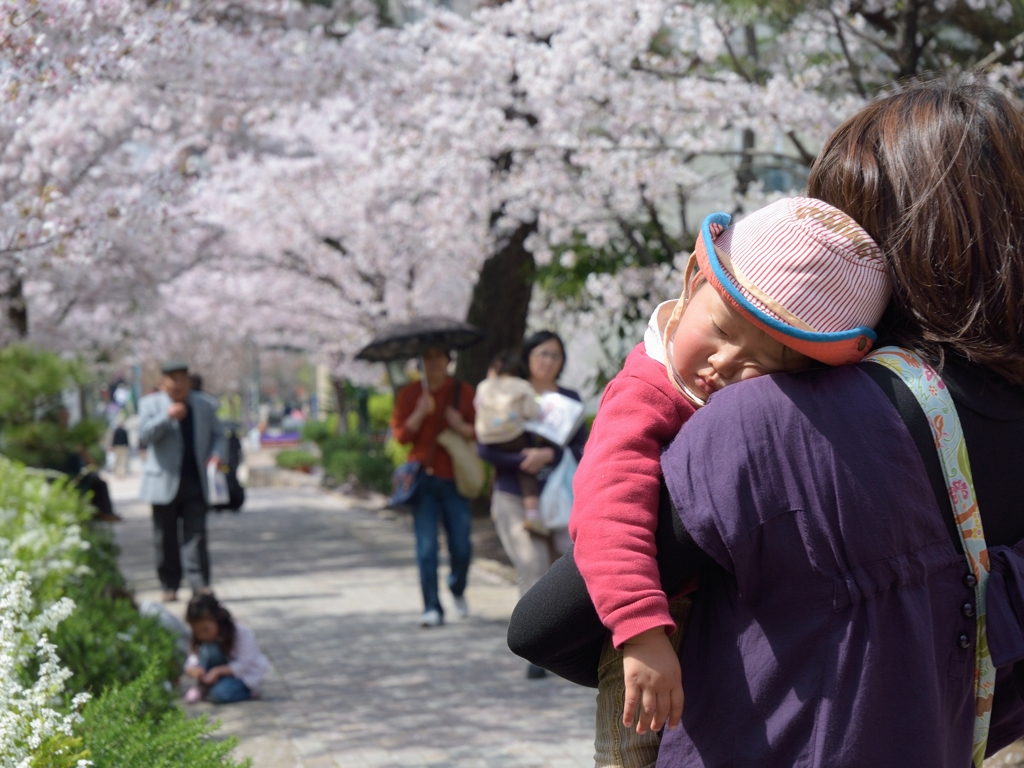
[{"x": 617, "y": 488}]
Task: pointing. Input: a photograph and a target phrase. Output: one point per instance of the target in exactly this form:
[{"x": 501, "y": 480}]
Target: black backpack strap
[{"x": 913, "y": 417}]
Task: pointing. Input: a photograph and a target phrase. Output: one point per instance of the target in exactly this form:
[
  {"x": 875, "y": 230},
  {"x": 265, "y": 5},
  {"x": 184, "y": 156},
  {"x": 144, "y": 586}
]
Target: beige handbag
[{"x": 469, "y": 470}]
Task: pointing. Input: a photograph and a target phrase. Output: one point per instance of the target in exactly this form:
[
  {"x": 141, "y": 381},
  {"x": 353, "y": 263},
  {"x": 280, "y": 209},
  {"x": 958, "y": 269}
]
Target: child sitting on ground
[
  {"x": 504, "y": 401},
  {"x": 225, "y": 661},
  {"x": 794, "y": 284}
]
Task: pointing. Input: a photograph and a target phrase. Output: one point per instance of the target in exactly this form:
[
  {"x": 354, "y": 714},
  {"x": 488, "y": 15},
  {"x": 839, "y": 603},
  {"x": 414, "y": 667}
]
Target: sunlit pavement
[{"x": 332, "y": 593}]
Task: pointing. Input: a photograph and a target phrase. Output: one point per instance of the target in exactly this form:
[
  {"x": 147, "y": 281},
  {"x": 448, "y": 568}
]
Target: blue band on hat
[{"x": 729, "y": 287}]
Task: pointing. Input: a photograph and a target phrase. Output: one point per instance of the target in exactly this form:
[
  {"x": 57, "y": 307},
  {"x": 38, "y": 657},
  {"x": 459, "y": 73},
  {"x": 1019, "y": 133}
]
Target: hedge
[{"x": 84, "y": 678}]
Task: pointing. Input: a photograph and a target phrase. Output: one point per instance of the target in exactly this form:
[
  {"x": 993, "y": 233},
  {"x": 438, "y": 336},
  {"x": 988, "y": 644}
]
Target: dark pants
[
  {"x": 529, "y": 488},
  {"x": 439, "y": 501},
  {"x": 228, "y": 689},
  {"x": 97, "y": 486},
  {"x": 189, "y": 511},
  {"x": 101, "y": 497}
]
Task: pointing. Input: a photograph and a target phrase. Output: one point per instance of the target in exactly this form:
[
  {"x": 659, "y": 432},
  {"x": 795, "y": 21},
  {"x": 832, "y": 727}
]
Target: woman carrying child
[
  {"x": 793, "y": 285},
  {"x": 837, "y": 621},
  {"x": 530, "y": 550},
  {"x": 225, "y": 661}
]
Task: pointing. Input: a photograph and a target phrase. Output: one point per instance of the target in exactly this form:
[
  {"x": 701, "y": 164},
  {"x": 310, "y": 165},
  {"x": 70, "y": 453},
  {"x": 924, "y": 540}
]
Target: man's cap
[
  {"x": 804, "y": 272},
  {"x": 170, "y": 366}
]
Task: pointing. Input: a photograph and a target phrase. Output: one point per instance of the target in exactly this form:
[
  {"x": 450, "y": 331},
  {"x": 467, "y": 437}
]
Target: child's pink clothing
[{"x": 617, "y": 488}]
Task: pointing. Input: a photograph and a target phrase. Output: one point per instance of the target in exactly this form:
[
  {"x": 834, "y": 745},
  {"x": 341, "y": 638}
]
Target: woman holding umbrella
[{"x": 422, "y": 411}]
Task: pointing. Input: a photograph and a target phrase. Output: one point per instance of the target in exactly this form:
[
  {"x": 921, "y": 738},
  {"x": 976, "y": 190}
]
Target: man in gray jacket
[{"x": 184, "y": 437}]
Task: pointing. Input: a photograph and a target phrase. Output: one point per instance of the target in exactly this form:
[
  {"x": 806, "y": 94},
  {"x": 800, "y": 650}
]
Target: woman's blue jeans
[
  {"x": 438, "y": 499},
  {"x": 228, "y": 689}
]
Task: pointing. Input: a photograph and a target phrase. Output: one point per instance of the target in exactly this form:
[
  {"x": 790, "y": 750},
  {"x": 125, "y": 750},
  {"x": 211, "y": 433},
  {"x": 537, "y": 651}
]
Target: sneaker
[
  {"x": 169, "y": 596},
  {"x": 193, "y": 695},
  {"x": 535, "y": 525},
  {"x": 431, "y": 618},
  {"x": 461, "y": 606}
]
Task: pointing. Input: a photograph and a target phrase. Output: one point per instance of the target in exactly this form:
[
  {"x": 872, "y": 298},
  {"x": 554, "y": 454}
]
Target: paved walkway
[{"x": 332, "y": 592}]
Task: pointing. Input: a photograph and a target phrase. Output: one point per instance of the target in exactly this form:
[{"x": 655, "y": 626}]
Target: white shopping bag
[
  {"x": 216, "y": 486},
  {"x": 560, "y": 418},
  {"x": 556, "y": 498}
]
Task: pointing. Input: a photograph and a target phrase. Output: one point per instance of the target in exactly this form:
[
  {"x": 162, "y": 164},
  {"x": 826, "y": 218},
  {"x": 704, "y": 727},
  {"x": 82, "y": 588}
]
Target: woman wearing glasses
[{"x": 531, "y": 553}]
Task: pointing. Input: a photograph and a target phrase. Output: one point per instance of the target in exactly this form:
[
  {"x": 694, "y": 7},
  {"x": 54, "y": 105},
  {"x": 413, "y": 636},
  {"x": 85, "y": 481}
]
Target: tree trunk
[
  {"x": 338, "y": 385},
  {"x": 16, "y": 308},
  {"x": 501, "y": 300},
  {"x": 745, "y": 173}
]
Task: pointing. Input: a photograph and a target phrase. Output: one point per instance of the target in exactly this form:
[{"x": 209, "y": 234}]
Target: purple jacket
[{"x": 839, "y": 631}]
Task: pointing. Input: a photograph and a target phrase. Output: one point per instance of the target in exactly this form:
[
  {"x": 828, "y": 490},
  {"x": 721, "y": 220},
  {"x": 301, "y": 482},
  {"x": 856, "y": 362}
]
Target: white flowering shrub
[
  {"x": 28, "y": 719},
  {"x": 40, "y": 528}
]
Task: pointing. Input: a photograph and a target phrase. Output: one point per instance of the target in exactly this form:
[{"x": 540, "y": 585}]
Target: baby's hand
[{"x": 653, "y": 679}]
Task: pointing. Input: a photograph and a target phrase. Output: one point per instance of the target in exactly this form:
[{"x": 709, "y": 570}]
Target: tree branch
[
  {"x": 667, "y": 242},
  {"x": 996, "y": 54},
  {"x": 854, "y": 68},
  {"x": 909, "y": 50},
  {"x": 737, "y": 65},
  {"x": 892, "y": 53},
  {"x": 335, "y": 243},
  {"x": 695, "y": 61},
  {"x": 681, "y": 197},
  {"x": 646, "y": 257},
  {"x": 806, "y": 157}
]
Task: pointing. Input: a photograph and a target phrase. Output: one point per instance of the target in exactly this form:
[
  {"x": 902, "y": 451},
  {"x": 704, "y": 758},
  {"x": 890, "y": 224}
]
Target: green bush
[
  {"x": 106, "y": 641},
  {"x": 296, "y": 459},
  {"x": 121, "y": 729},
  {"x": 318, "y": 431},
  {"x": 40, "y": 528},
  {"x": 397, "y": 452},
  {"x": 31, "y": 428},
  {"x": 59, "y": 751},
  {"x": 32, "y": 382},
  {"x": 380, "y": 406},
  {"x": 111, "y": 651},
  {"x": 347, "y": 441},
  {"x": 353, "y": 455}
]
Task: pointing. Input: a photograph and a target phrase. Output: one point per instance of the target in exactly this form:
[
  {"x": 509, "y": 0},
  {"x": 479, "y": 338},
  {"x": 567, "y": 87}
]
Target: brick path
[{"x": 332, "y": 592}]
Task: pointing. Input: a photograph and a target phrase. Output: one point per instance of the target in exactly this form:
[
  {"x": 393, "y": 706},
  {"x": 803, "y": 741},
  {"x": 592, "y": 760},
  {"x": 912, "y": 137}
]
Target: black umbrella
[{"x": 402, "y": 341}]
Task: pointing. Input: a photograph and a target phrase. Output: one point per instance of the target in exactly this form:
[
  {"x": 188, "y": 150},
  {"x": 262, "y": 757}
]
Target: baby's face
[{"x": 715, "y": 346}]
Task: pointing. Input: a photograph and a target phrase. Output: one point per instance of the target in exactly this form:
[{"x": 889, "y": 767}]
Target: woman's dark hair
[
  {"x": 509, "y": 363},
  {"x": 935, "y": 173},
  {"x": 205, "y": 606},
  {"x": 535, "y": 340}
]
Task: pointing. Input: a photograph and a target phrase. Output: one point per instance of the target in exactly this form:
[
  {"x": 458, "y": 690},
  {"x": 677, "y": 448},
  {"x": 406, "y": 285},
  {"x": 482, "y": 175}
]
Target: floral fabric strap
[{"x": 937, "y": 404}]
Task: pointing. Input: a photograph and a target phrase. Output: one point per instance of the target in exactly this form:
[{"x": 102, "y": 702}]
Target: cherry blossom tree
[
  {"x": 587, "y": 139},
  {"x": 309, "y": 173},
  {"x": 113, "y": 109}
]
